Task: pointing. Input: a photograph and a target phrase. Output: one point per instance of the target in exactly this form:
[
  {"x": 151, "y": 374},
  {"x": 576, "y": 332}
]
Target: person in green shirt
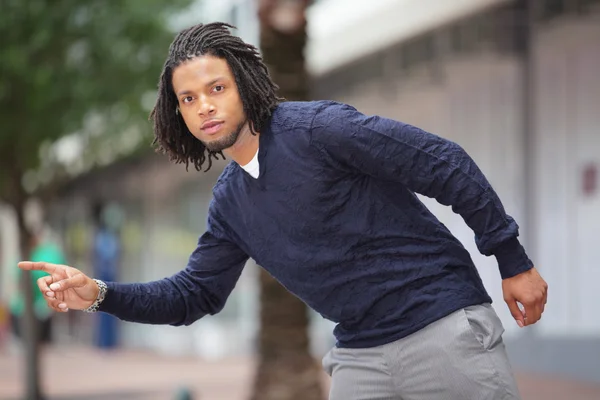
[{"x": 43, "y": 250}]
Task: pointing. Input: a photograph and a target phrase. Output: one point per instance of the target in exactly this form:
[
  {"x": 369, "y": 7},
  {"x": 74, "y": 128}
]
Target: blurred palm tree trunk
[{"x": 286, "y": 369}]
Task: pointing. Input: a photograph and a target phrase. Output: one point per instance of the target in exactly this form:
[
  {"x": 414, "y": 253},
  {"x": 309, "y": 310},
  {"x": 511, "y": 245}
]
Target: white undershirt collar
[{"x": 252, "y": 167}]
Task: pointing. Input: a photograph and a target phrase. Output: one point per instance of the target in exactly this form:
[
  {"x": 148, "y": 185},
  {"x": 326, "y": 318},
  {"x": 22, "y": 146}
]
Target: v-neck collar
[{"x": 263, "y": 144}]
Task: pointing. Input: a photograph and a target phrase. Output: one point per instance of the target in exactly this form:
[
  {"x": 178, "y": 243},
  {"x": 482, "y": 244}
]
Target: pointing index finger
[{"x": 40, "y": 266}]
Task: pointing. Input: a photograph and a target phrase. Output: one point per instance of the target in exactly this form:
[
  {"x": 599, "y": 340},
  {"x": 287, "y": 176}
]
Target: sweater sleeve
[
  {"x": 426, "y": 164},
  {"x": 201, "y": 288}
]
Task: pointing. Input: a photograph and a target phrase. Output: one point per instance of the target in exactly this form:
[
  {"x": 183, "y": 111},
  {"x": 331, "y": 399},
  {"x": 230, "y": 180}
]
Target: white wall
[{"x": 568, "y": 138}]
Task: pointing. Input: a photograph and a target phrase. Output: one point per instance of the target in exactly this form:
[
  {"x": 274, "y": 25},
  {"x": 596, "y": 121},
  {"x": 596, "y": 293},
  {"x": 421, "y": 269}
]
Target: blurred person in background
[
  {"x": 323, "y": 197},
  {"x": 43, "y": 249},
  {"x": 106, "y": 259}
]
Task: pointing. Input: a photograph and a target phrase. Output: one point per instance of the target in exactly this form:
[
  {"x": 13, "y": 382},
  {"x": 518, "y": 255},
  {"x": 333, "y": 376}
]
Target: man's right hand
[{"x": 65, "y": 288}]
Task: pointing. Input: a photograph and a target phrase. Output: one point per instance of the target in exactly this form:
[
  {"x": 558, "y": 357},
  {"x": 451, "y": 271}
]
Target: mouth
[{"x": 211, "y": 127}]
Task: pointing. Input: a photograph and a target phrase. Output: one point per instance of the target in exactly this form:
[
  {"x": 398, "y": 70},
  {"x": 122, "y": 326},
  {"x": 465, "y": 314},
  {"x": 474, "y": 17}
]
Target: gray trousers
[{"x": 459, "y": 357}]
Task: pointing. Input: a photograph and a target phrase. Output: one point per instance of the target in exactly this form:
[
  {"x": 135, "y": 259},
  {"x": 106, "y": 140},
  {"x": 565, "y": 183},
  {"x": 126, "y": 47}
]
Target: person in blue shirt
[{"x": 324, "y": 198}]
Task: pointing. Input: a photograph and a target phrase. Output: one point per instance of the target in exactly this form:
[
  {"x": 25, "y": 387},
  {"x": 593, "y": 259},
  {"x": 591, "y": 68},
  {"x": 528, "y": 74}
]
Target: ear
[{"x": 177, "y": 110}]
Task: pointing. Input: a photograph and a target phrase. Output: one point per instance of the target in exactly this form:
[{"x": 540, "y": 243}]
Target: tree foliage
[{"x": 76, "y": 67}]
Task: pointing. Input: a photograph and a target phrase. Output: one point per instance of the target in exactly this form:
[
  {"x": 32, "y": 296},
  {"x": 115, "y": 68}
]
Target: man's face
[{"x": 209, "y": 101}]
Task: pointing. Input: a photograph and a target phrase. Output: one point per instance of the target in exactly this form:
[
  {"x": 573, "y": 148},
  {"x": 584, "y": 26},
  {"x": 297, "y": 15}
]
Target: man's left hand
[{"x": 529, "y": 289}]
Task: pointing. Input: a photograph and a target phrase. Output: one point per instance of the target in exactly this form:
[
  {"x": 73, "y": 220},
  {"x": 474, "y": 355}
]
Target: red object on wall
[{"x": 590, "y": 179}]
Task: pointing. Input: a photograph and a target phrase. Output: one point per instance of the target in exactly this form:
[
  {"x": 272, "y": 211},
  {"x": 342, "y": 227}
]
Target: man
[{"x": 323, "y": 197}]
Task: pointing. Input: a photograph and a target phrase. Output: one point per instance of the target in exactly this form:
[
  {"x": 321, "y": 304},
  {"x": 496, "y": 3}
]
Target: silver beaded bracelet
[{"x": 99, "y": 299}]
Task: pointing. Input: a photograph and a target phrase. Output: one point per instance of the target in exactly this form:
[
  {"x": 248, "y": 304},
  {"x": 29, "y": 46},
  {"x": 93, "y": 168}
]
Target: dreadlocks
[{"x": 256, "y": 89}]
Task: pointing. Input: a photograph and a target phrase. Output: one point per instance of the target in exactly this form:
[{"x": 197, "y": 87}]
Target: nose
[{"x": 205, "y": 107}]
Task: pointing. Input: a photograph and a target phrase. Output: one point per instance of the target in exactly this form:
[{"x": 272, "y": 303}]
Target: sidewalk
[{"x": 84, "y": 373}]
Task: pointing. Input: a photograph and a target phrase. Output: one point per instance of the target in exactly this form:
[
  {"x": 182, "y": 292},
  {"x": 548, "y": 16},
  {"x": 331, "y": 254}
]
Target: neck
[{"x": 245, "y": 146}]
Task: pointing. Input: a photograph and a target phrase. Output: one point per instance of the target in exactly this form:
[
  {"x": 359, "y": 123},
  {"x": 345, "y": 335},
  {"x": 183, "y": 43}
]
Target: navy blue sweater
[{"x": 334, "y": 217}]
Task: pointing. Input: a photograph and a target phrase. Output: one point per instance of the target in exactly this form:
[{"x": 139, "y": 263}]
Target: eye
[
  {"x": 187, "y": 99},
  {"x": 218, "y": 88}
]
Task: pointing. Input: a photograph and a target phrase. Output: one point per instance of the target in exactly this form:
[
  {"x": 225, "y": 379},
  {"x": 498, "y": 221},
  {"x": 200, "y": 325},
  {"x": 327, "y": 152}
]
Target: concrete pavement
[
  {"x": 84, "y": 373},
  {"x": 72, "y": 373}
]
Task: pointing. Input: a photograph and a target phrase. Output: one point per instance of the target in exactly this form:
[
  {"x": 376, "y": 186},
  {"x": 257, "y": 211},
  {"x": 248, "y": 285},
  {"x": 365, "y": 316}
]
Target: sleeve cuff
[
  {"x": 111, "y": 300},
  {"x": 512, "y": 259}
]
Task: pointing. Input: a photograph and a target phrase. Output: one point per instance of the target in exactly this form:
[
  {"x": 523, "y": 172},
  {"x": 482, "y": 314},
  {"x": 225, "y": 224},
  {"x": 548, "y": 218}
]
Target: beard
[{"x": 225, "y": 142}]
